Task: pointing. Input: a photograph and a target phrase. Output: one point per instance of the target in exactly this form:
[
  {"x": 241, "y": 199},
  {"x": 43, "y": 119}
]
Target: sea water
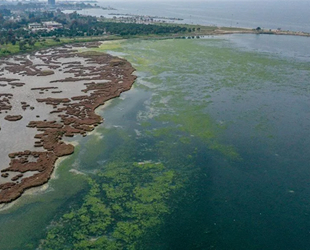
[
  {"x": 230, "y": 115},
  {"x": 286, "y": 15}
]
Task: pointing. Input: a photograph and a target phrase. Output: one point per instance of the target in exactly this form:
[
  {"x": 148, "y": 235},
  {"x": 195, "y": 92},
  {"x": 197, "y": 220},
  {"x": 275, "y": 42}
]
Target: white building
[
  {"x": 51, "y": 25},
  {"x": 33, "y": 26}
]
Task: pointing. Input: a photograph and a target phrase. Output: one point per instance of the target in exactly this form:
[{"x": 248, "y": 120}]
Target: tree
[{"x": 22, "y": 45}]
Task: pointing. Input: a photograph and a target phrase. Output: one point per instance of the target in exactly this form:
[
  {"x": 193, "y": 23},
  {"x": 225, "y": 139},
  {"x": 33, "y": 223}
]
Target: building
[
  {"x": 52, "y": 25},
  {"x": 34, "y": 26},
  {"x": 47, "y": 26}
]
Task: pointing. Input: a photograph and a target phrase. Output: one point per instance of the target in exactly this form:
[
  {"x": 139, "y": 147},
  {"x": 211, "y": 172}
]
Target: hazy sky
[
  {"x": 196, "y": 0},
  {"x": 202, "y": 0}
]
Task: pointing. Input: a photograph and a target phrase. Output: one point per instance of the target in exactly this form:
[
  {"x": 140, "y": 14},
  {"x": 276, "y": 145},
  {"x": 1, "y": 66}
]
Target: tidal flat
[
  {"x": 48, "y": 95},
  {"x": 208, "y": 150}
]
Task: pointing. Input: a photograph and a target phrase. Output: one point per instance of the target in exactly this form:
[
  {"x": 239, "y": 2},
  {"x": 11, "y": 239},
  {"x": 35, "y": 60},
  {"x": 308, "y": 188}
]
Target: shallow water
[
  {"x": 229, "y": 115},
  {"x": 16, "y": 136}
]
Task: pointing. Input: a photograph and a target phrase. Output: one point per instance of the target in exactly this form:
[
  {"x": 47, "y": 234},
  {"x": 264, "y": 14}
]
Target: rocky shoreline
[{"x": 104, "y": 77}]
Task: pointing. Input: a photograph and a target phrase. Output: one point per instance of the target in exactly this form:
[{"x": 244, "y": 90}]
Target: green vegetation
[
  {"x": 125, "y": 29},
  {"x": 169, "y": 149},
  {"x": 128, "y": 205},
  {"x": 129, "y": 201},
  {"x": 193, "y": 125},
  {"x": 18, "y": 37},
  {"x": 35, "y": 211},
  {"x": 125, "y": 202},
  {"x": 21, "y": 47}
]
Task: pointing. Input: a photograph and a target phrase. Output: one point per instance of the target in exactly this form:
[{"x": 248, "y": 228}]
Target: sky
[{"x": 201, "y": 0}]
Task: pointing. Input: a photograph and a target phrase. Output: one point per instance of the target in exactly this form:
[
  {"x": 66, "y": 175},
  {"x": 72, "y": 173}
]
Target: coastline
[
  {"x": 44, "y": 187},
  {"x": 238, "y": 51},
  {"x": 10, "y": 191},
  {"x": 109, "y": 78},
  {"x": 204, "y": 31}
]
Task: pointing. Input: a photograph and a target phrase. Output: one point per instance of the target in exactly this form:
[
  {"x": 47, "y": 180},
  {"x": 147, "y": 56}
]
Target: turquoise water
[{"x": 209, "y": 150}]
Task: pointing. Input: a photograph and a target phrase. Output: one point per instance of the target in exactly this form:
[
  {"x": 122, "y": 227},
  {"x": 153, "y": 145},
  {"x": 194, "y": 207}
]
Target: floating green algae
[
  {"x": 125, "y": 201},
  {"x": 32, "y": 212},
  {"x": 111, "y": 45},
  {"x": 196, "y": 109},
  {"x": 128, "y": 202}
]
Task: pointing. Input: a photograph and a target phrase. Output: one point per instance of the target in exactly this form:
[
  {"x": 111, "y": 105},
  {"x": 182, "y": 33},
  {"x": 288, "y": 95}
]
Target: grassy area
[
  {"x": 9, "y": 49},
  {"x": 193, "y": 30}
]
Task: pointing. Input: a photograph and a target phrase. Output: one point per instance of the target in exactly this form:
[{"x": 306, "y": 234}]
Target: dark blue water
[{"x": 258, "y": 87}]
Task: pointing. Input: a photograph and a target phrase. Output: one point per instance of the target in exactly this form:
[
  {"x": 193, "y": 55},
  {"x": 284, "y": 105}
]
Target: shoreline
[
  {"x": 205, "y": 31},
  {"x": 39, "y": 189},
  {"x": 77, "y": 115},
  {"x": 51, "y": 141}
]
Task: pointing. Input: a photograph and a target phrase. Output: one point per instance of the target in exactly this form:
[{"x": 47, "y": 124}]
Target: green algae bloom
[{"x": 125, "y": 202}]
